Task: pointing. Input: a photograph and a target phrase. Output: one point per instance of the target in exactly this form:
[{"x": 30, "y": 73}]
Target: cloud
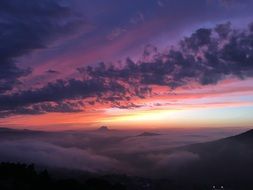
[
  {"x": 117, "y": 32},
  {"x": 46, "y": 154},
  {"x": 113, "y": 151},
  {"x": 40, "y": 108},
  {"x": 229, "y": 3},
  {"x": 9, "y": 75},
  {"x": 137, "y": 18},
  {"x": 173, "y": 160},
  {"x": 60, "y": 91},
  {"x": 160, "y": 3},
  {"x": 206, "y": 57},
  {"x": 27, "y": 26},
  {"x": 51, "y": 71}
]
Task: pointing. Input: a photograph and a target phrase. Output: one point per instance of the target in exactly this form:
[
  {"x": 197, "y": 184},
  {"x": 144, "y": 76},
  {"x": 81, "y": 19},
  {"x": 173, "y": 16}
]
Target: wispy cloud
[{"x": 27, "y": 27}]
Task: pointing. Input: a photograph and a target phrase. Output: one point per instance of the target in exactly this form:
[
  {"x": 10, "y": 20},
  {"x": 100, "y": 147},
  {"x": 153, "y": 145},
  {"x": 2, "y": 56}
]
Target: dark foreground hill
[
  {"x": 147, "y": 134},
  {"x": 25, "y": 177},
  {"x": 225, "y": 161},
  {"x": 16, "y": 176}
]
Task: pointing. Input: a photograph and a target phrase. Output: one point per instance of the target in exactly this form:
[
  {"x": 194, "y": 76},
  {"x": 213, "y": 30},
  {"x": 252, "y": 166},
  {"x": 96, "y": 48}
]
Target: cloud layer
[
  {"x": 46, "y": 154},
  {"x": 206, "y": 57},
  {"x": 107, "y": 151}
]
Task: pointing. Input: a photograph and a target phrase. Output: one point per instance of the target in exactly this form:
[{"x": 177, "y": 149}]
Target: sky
[{"x": 78, "y": 64}]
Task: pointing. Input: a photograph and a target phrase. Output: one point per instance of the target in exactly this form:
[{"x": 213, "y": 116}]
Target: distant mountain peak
[
  {"x": 103, "y": 129},
  {"x": 3, "y": 129},
  {"x": 148, "y": 134}
]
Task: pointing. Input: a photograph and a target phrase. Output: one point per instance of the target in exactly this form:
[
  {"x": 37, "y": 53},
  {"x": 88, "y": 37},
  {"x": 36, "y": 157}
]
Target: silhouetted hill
[
  {"x": 18, "y": 131},
  {"x": 147, "y": 134},
  {"x": 243, "y": 140},
  {"x": 246, "y": 137},
  {"x": 3, "y": 129},
  {"x": 103, "y": 129},
  {"x": 225, "y": 161},
  {"x": 24, "y": 177},
  {"x": 7, "y": 133},
  {"x": 16, "y": 176}
]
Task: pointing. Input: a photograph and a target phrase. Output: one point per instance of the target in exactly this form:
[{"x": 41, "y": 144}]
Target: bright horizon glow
[
  {"x": 211, "y": 106},
  {"x": 141, "y": 116},
  {"x": 134, "y": 119}
]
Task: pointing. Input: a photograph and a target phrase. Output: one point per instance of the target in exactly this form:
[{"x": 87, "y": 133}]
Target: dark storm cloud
[
  {"x": 26, "y": 26},
  {"x": 206, "y": 57}
]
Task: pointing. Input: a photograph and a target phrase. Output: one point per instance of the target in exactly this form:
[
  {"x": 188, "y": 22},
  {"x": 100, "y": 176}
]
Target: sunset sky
[{"x": 77, "y": 64}]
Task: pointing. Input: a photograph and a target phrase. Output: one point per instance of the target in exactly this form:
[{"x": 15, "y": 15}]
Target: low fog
[{"x": 152, "y": 154}]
